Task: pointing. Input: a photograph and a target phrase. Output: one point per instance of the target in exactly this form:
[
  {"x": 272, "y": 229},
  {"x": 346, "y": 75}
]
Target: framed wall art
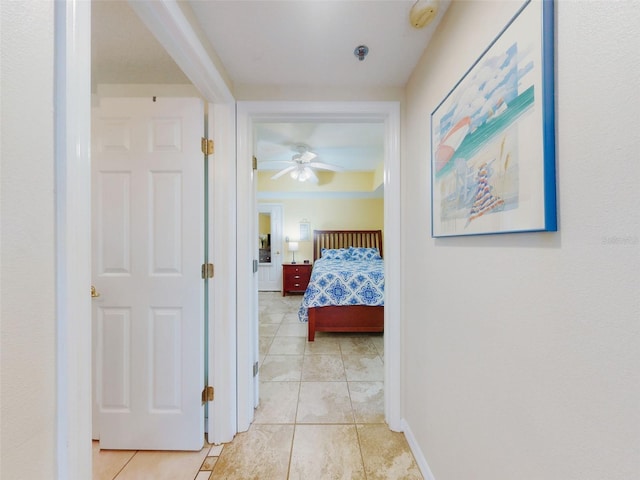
[
  {"x": 305, "y": 231},
  {"x": 493, "y": 136}
]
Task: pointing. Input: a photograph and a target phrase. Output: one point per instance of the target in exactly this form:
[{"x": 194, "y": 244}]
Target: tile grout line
[
  {"x": 364, "y": 470},
  {"x": 125, "y": 464},
  {"x": 364, "y": 467}
]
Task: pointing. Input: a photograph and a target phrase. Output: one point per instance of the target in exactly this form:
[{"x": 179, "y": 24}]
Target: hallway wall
[
  {"x": 27, "y": 258},
  {"x": 521, "y": 351}
]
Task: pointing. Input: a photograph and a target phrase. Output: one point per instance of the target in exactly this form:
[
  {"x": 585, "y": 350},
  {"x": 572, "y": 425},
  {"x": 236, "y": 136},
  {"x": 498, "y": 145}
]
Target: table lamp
[{"x": 293, "y": 248}]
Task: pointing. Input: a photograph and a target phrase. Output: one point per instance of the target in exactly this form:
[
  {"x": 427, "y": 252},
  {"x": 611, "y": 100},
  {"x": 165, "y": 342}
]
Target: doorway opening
[
  {"x": 344, "y": 190},
  {"x": 248, "y": 115}
]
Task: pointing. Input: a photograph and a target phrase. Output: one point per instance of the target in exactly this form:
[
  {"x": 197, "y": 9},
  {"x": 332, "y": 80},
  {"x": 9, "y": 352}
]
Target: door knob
[{"x": 94, "y": 294}]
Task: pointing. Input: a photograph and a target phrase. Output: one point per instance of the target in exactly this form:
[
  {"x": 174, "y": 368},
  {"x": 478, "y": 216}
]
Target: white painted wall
[
  {"x": 522, "y": 352},
  {"x": 27, "y": 339},
  {"x": 104, "y": 90},
  {"x": 317, "y": 94}
]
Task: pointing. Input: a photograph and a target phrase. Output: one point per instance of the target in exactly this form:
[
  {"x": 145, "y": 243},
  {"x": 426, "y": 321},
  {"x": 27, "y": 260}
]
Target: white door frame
[
  {"x": 72, "y": 71},
  {"x": 222, "y": 425},
  {"x": 384, "y": 112}
]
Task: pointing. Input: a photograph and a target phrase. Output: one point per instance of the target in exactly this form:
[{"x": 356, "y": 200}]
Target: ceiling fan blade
[
  {"x": 325, "y": 166},
  {"x": 307, "y": 156},
  {"x": 275, "y": 165},
  {"x": 284, "y": 172}
]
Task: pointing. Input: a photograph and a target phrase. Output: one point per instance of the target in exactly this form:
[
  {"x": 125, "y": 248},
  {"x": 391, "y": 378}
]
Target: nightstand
[{"x": 295, "y": 277}]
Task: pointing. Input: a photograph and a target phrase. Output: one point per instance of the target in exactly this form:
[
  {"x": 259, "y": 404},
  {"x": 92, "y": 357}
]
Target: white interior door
[
  {"x": 270, "y": 272},
  {"x": 147, "y": 249}
]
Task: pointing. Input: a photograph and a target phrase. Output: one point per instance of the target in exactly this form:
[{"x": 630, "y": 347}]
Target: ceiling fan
[{"x": 302, "y": 164}]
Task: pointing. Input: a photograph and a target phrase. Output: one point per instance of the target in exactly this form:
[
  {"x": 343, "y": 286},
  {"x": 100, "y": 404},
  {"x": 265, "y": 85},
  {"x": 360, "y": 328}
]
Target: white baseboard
[{"x": 417, "y": 453}]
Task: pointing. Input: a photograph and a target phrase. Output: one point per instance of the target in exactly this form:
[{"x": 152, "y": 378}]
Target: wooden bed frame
[{"x": 348, "y": 318}]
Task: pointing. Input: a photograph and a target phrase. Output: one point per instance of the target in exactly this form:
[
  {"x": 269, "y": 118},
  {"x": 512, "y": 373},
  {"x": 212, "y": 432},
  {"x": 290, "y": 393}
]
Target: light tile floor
[{"x": 321, "y": 415}]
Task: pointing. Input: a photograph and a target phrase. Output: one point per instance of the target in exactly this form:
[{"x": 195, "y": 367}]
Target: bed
[{"x": 353, "y": 259}]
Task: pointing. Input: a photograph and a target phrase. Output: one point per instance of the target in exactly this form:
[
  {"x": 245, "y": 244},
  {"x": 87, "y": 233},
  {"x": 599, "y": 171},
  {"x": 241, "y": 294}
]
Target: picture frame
[
  {"x": 305, "y": 231},
  {"x": 493, "y": 136}
]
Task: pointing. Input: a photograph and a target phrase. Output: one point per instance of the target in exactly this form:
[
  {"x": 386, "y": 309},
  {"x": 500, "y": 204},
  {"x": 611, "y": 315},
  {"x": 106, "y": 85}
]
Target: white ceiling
[
  {"x": 311, "y": 43},
  {"x": 352, "y": 146},
  {"x": 282, "y": 43}
]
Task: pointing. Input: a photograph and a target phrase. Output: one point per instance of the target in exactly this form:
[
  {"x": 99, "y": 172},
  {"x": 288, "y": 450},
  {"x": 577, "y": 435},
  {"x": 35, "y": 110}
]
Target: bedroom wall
[
  {"x": 521, "y": 352},
  {"x": 337, "y": 182},
  {"x": 27, "y": 277},
  {"x": 328, "y": 214}
]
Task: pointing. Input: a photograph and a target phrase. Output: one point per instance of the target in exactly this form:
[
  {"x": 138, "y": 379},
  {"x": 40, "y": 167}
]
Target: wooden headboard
[{"x": 344, "y": 239}]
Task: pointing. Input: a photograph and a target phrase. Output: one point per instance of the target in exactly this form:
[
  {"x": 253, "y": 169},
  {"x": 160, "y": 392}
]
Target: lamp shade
[{"x": 293, "y": 246}]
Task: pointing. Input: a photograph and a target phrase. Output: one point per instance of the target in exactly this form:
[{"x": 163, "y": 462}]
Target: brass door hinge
[
  {"x": 207, "y": 270},
  {"x": 207, "y": 394},
  {"x": 255, "y": 163},
  {"x": 207, "y": 146}
]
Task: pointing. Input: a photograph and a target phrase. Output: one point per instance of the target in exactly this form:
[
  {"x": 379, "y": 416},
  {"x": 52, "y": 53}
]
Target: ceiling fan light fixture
[
  {"x": 303, "y": 164},
  {"x": 304, "y": 176}
]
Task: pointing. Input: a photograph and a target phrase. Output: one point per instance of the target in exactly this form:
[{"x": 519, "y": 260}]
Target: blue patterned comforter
[{"x": 344, "y": 282}]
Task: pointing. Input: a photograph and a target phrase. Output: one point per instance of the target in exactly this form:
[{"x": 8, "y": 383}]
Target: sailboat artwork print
[{"x": 493, "y": 136}]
